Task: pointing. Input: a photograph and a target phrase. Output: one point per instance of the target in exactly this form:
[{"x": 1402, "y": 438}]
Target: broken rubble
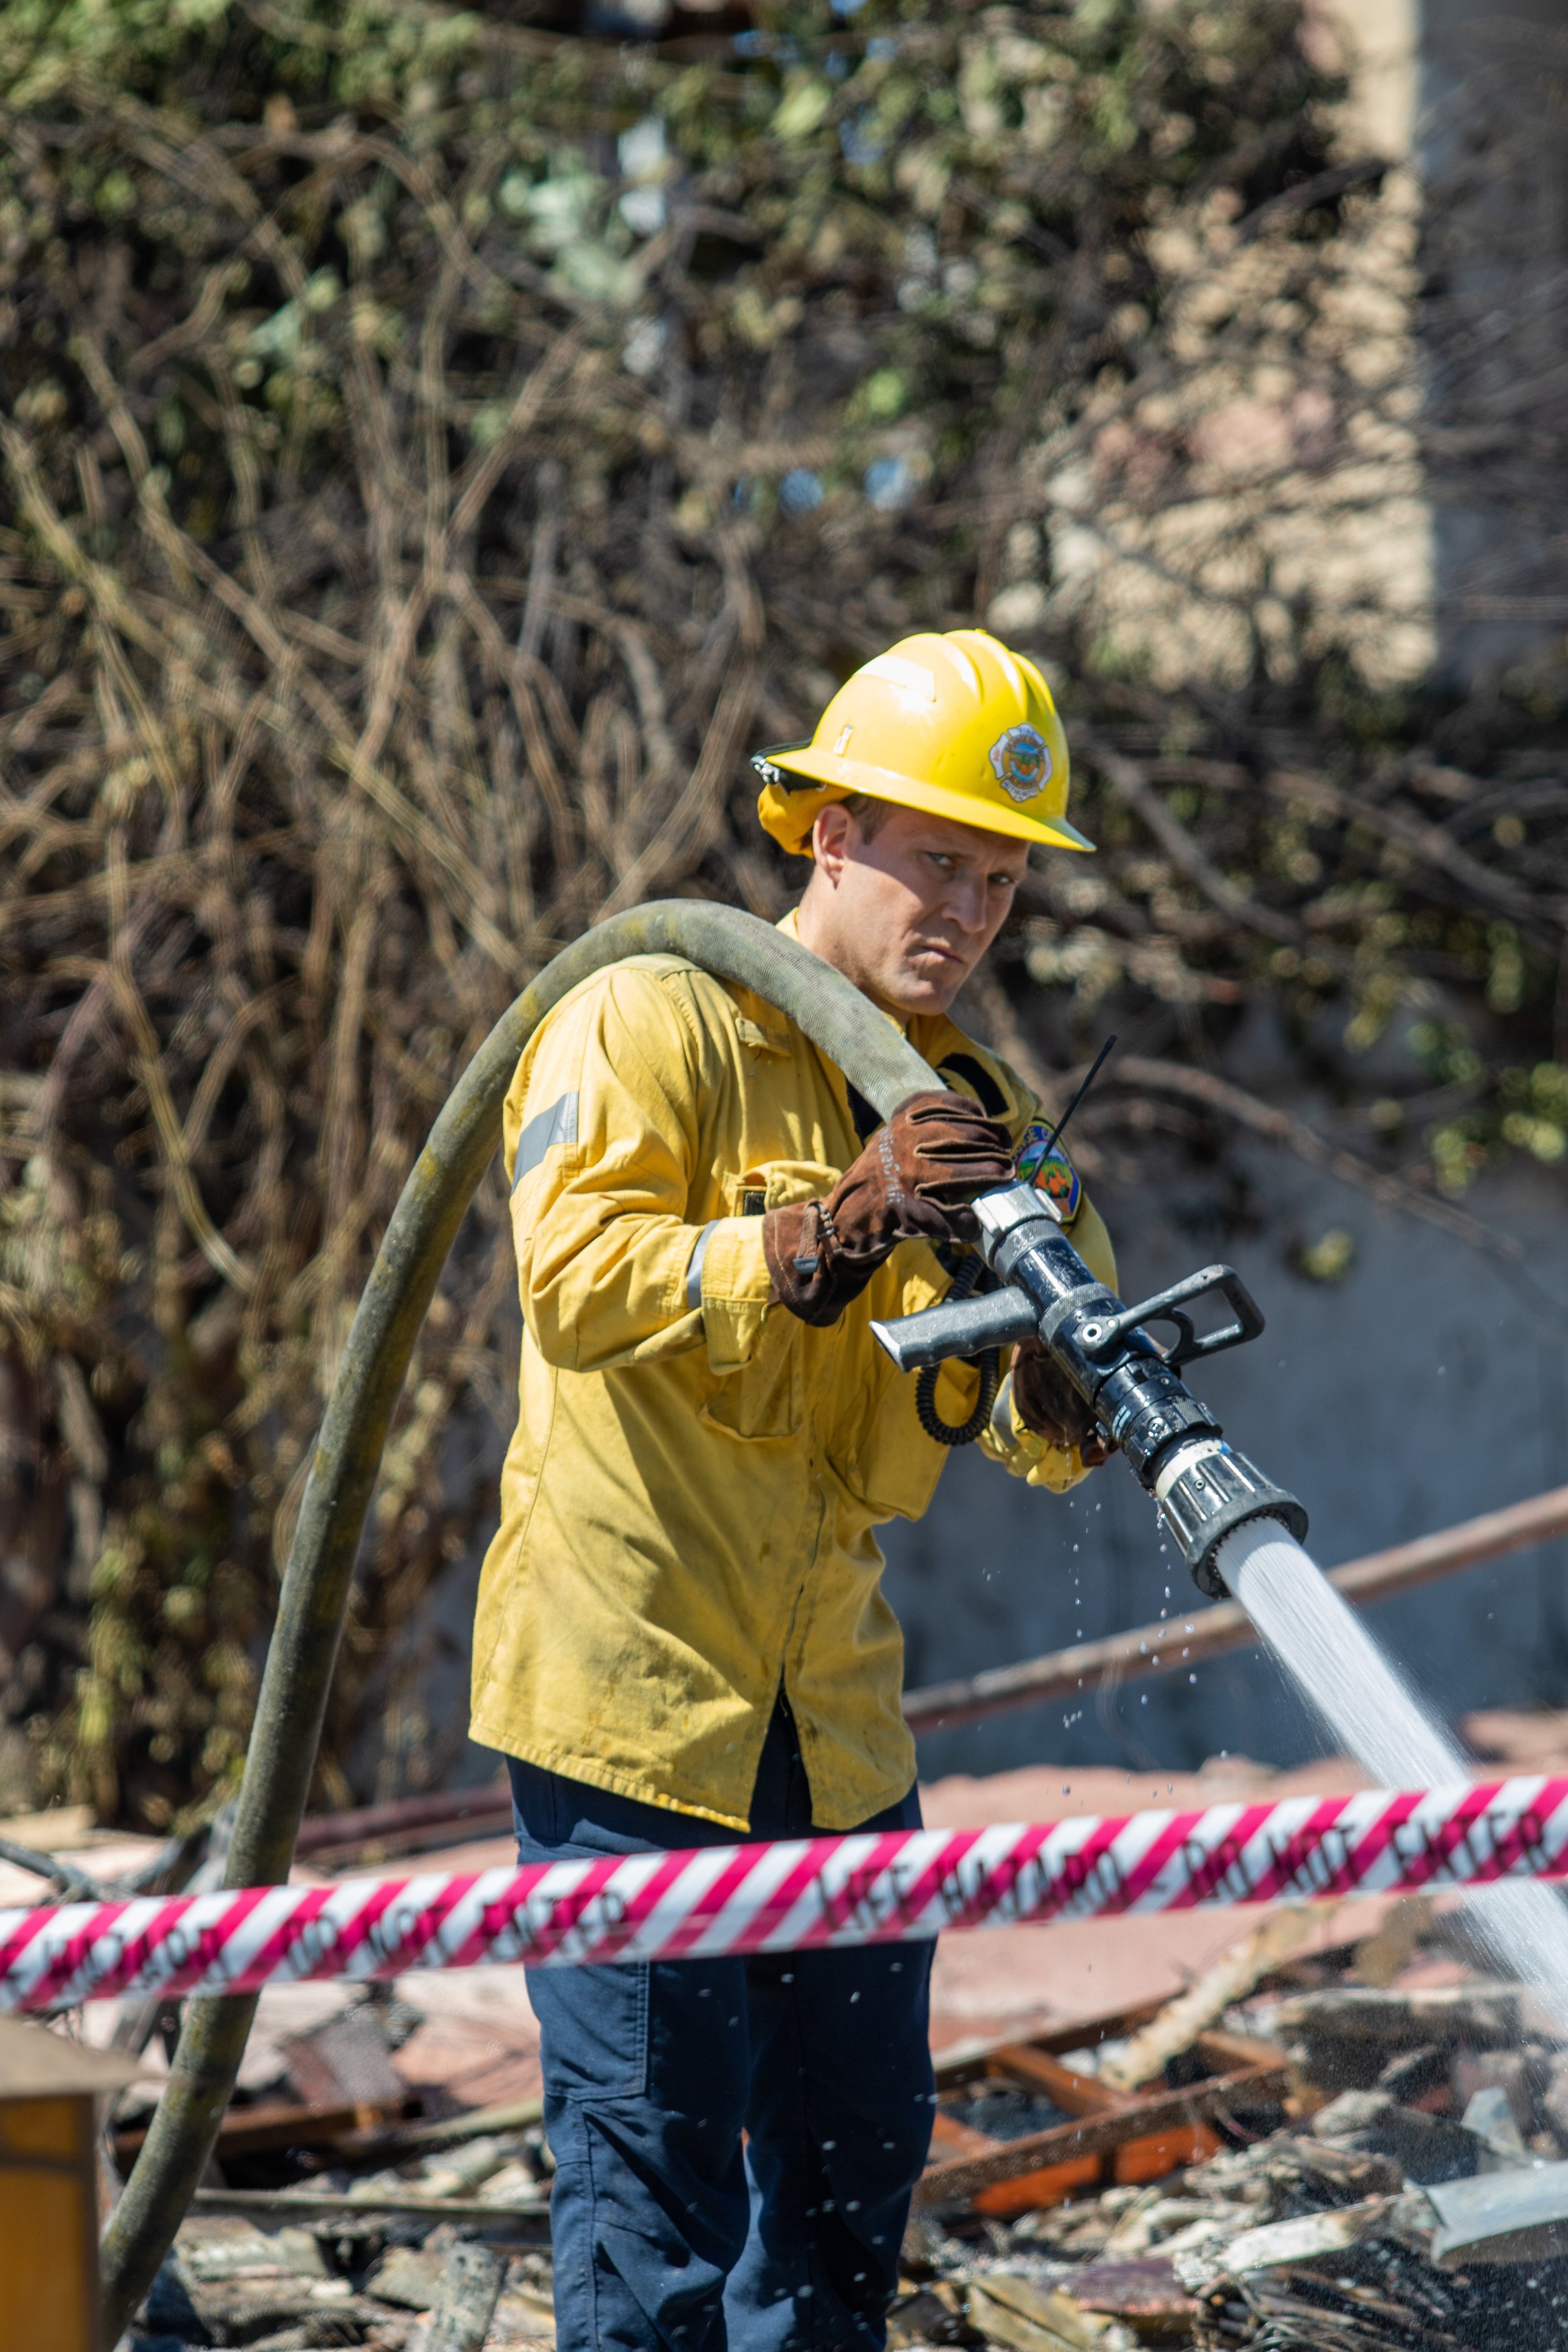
[
  {"x": 1502, "y": 2216},
  {"x": 1146, "y": 2293},
  {"x": 1341, "y": 2038},
  {"x": 1319, "y": 2236},
  {"x": 407, "y": 2276},
  {"x": 1309, "y": 2237},
  {"x": 1010, "y": 2309},
  {"x": 471, "y": 2283}
]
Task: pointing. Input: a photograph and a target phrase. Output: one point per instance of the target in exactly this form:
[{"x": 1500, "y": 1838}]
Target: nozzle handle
[
  {"x": 1099, "y": 1339},
  {"x": 997, "y": 1319}
]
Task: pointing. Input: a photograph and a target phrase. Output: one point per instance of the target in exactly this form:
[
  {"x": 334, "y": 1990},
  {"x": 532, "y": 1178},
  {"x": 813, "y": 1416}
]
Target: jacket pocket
[{"x": 766, "y": 1398}]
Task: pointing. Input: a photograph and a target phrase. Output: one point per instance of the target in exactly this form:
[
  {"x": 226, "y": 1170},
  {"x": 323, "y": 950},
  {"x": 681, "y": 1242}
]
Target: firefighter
[{"x": 681, "y": 1638}]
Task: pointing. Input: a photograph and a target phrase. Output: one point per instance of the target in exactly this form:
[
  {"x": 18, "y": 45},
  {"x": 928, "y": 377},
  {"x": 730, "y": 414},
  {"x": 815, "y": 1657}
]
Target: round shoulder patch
[{"x": 1054, "y": 1175}]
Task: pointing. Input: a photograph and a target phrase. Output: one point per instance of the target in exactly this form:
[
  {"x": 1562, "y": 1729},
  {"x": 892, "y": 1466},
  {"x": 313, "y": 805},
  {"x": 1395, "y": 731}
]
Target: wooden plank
[
  {"x": 1076, "y": 2094},
  {"x": 960, "y": 2140},
  {"x": 958, "y": 2182},
  {"x": 273, "y": 2205},
  {"x": 1087, "y": 2034},
  {"x": 245, "y": 2130},
  {"x": 1162, "y": 2152},
  {"x": 422, "y": 2139},
  {"x": 1229, "y": 2054},
  {"x": 1090, "y": 2032},
  {"x": 1149, "y": 2159},
  {"x": 957, "y": 2073},
  {"x": 1033, "y": 2192}
]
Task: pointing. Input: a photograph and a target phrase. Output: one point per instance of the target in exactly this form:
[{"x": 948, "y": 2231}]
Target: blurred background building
[{"x": 1398, "y": 471}]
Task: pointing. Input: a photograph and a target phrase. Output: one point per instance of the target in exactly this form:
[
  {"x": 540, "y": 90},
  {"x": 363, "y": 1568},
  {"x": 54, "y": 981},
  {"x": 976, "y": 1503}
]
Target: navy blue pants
[{"x": 669, "y": 2235}]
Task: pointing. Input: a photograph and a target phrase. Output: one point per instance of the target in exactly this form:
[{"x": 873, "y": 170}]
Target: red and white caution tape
[{"x": 796, "y": 1896}]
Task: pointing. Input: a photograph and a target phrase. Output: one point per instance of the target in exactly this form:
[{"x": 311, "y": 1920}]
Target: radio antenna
[{"x": 1094, "y": 1070}]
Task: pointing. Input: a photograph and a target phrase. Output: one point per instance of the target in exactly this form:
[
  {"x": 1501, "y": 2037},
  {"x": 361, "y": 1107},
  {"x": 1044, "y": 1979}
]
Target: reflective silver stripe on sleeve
[
  {"x": 694, "y": 1269},
  {"x": 556, "y": 1125}
]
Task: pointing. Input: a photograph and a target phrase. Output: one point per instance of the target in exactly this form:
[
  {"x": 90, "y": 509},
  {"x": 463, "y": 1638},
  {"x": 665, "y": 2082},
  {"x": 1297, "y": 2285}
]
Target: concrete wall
[
  {"x": 1471, "y": 99},
  {"x": 1399, "y": 475},
  {"x": 1425, "y": 1387},
  {"x": 1491, "y": 149}
]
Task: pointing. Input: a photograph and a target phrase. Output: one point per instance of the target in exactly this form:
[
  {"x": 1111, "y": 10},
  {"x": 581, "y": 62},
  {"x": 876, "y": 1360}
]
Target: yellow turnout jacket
[{"x": 687, "y": 1504}]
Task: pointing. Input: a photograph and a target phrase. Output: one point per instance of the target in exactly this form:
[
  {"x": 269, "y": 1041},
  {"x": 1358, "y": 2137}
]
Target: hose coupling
[{"x": 1205, "y": 1491}]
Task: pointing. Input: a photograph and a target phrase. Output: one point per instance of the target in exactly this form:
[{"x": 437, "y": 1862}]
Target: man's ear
[{"x": 830, "y": 838}]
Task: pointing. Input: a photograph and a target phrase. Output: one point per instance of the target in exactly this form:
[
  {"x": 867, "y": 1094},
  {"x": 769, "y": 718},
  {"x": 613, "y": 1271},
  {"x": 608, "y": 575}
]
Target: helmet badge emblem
[{"x": 1021, "y": 760}]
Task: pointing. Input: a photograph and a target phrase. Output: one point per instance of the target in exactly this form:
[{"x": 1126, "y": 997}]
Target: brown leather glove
[
  {"x": 1048, "y": 1404},
  {"x": 914, "y": 1182}
]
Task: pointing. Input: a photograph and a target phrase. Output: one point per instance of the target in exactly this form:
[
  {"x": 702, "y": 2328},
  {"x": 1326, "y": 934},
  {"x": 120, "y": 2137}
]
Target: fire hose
[{"x": 1173, "y": 1444}]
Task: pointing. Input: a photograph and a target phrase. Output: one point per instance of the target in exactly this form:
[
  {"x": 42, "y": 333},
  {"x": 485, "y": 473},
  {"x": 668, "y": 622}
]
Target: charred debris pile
[{"x": 1364, "y": 2149}]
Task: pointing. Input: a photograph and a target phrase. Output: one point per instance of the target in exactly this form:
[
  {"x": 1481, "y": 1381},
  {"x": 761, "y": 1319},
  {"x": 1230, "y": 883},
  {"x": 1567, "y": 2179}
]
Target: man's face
[{"x": 907, "y": 914}]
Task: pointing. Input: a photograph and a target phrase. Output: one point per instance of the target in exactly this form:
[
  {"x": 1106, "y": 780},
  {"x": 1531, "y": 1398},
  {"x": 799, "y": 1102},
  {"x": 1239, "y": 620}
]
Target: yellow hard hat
[{"x": 956, "y": 724}]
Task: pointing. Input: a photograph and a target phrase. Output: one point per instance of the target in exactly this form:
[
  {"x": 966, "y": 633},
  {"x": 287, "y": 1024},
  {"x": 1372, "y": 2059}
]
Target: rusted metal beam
[
  {"x": 1197, "y": 1633},
  {"x": 274, "y": 2205},
  {"x": 484, "y": 1810},
  {"x": 244, "y": 2131}
]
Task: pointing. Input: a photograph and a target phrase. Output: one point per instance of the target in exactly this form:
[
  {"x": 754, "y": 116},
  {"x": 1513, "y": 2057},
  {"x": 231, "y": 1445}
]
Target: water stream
[{"x": 1371, "y": 1710}]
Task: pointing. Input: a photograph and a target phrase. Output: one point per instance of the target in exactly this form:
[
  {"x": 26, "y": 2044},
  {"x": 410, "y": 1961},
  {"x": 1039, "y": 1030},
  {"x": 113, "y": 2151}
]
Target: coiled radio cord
[{"x": 971, "y": 1274}]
